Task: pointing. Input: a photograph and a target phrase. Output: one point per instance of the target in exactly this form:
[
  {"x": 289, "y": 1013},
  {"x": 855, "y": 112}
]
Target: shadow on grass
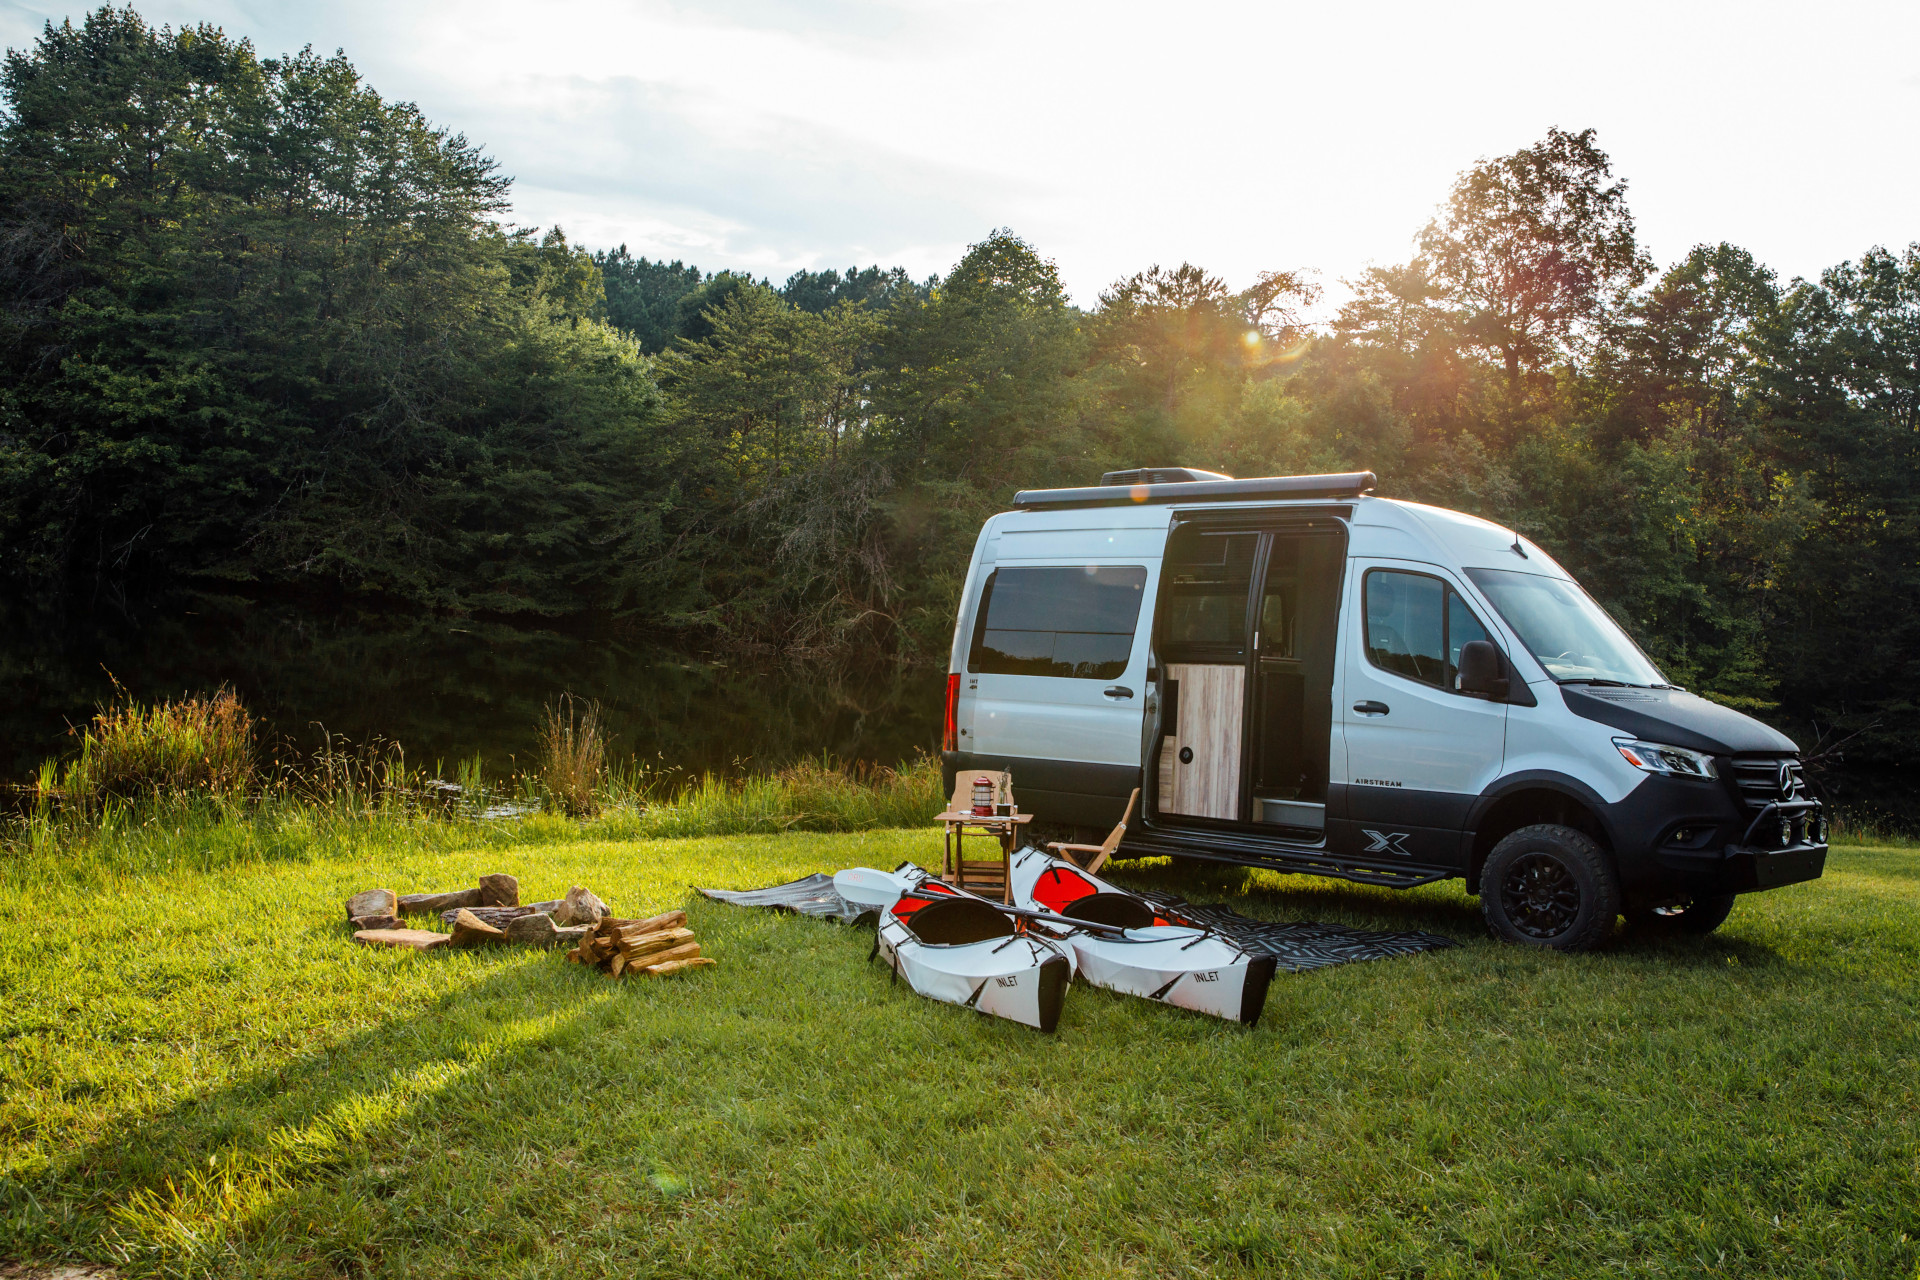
[
  {"x": 1444, "y": 908},
  {"x": 293, "y": 1162}
]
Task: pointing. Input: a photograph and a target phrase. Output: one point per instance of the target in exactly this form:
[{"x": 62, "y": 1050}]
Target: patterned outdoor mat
[
  {"x": 1300, "y": 944},
  {"x": 1297, "y": 944}
]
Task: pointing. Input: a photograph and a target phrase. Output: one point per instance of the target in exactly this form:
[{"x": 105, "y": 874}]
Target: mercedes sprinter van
[{"x": 1296, "y": 674}]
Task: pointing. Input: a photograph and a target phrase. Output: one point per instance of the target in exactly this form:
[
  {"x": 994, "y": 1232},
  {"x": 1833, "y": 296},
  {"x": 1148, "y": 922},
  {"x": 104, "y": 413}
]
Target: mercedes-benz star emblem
[{"x": 1789, "y": 784}]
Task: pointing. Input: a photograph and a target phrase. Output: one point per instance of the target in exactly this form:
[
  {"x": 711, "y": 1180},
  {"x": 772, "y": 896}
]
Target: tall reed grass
[
  {"x": 201, "y": 745},
  {"x": 573, "y": 756},
  {"x": 164, "y": 786}
]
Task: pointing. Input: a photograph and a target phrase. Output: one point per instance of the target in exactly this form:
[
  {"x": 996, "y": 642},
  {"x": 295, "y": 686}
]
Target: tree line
[{"x": 260, "y": 326}]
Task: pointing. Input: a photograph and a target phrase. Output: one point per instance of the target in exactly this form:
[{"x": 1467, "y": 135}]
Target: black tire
[
  {"x": 1693, "y": 917},
  {"x": 1550, "y": 886}
]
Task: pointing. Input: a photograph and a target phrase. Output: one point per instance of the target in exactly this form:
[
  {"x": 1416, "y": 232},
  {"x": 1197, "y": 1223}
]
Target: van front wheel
[
  {"x": 1550, "y": 886},
  {"x": 1697, "y": 916}
]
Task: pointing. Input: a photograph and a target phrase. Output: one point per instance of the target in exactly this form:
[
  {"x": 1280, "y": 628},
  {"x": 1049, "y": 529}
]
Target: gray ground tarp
[{"x": 813, "y": 896}]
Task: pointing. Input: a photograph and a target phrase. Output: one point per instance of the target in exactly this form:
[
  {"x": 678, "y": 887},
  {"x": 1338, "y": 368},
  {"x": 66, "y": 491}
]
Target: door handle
[
  {"x": 1119, "y": 691},
  {"x": 1371, "y": 708}
]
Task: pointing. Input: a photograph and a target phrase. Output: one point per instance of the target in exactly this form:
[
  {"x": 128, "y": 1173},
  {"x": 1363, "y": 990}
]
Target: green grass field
[{"x": 201, "y": 1076}]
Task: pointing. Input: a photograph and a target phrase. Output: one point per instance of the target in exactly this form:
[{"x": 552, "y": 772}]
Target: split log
[
  {"x": 498, "y": 917},
  {"x": 418, "y": 939},
  {"x": 372, "y": 902},
  {"x": 636, "y": 945},
  {"x": 686, "y": 952},
  {"x": 580, "y": 906},
  {"x": 678, "y": 966},
  {"x": 499, "y": 890},
  {"x": 535, "y": 930},
  {"x": 427, "y": 903},
  {"x": 471, "y": 931},
  {"x": 619, "y": 963},
  {"x": 388, "y": 921}
]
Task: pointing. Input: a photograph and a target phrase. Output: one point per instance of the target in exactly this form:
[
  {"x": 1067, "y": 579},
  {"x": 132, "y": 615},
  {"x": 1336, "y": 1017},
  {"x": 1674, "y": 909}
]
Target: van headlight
[{"x": 1658, "y": 757}]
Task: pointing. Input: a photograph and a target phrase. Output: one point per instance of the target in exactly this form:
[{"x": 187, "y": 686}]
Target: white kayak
[
  {"x": 954, "y": 947},
  {"x": 1157, "y": 955}
]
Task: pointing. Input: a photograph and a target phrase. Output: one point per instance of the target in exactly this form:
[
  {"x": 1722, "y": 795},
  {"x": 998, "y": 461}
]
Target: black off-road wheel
[
  {"x": 1691, "y": 917},
  {"x": 1550, "y": 886}
]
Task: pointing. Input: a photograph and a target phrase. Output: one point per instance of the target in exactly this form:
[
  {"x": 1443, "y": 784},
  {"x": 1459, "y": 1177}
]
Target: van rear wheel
[
  {"x": 1695, "y": 917},
  {"x": 1550, "y": 886}
]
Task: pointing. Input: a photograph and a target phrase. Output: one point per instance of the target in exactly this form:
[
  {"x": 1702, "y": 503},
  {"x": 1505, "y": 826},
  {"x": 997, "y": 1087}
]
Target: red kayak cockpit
[
  {"x": 942, "y": 918},
  {"x": 1067, "y": 892}
]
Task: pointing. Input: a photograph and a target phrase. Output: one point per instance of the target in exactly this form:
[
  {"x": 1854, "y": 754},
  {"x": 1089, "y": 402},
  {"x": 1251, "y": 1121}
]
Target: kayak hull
[
  {"x": 958, "y": 949},
  {"x": 1158, "y": 957}
]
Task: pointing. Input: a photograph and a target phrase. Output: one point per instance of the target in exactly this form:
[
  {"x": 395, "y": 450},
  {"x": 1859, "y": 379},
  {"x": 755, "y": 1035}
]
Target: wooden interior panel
[{"x": 1211, "y": 702}]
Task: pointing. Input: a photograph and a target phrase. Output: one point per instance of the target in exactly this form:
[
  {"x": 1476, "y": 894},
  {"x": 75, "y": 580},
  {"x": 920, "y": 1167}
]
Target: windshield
[{"x": 1561, "y": 625}]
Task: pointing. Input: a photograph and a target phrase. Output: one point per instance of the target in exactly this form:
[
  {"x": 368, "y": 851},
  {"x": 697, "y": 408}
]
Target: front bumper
[
  {"x": 1688, "y": 839},
  {"x": 1749, "y": 870}
]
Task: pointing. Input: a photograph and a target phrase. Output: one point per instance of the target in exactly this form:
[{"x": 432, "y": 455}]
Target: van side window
[
  {"x": 1069, "y": 620},
  {"x": 1406, "y": 624},
  {"x": 1416, "y": 627},
  {"x": 1462, "y": 626}
]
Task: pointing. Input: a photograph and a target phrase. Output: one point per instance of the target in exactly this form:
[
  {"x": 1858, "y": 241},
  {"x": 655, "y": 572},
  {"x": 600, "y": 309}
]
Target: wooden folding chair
[{"x": 1097, "y": 854}]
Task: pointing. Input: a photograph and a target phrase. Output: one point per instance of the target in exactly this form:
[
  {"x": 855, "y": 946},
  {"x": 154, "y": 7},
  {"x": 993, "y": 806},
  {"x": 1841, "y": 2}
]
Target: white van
[{"x": 1298, "y": 675}]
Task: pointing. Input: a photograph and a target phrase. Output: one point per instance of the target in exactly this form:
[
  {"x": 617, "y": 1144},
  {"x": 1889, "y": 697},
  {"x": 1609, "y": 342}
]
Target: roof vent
[{"x": 1160, "y": 475}]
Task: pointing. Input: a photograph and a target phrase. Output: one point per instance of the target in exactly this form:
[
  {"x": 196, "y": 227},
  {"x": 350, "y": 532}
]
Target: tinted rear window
[{"x": 1071, "y": 620}]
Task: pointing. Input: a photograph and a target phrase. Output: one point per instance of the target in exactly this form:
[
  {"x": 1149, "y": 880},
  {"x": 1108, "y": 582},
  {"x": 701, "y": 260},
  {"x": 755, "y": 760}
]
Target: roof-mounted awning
[{"x": 1348, "y": 484}]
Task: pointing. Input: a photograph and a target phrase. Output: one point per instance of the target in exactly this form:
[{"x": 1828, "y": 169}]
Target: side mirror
[{"x": 1483, "y": 669}]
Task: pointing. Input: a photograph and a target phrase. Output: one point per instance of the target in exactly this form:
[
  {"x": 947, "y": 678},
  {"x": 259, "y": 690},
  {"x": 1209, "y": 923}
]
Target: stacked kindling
[{"x": 655, "y": 947}]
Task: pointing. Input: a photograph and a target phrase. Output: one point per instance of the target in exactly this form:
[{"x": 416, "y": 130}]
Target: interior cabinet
[{"x": 1207, "y": 723}]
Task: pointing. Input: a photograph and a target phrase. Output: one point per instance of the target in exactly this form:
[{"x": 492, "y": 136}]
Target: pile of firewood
[
  {"x": 655, "y": 947},
  {"x": 488, "y": 913}
]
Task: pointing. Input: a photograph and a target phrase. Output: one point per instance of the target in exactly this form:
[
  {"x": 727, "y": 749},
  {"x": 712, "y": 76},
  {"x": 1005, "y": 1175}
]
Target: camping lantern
[{"x": 983, "y": 797}]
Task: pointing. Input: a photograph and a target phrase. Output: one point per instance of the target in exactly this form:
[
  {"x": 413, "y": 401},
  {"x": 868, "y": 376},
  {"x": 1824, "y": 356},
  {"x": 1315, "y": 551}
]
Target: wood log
[
  {"x": 648, "y": 943},
  {"x": 499, "y": 890},
  {"x": 417, "y": 939},
  {"x": 686, "y": 952},
  {"x": 619, "y": 964},
  {"x": 653, "y": 924},
  {"x": 677, "y": 966},
  {"x": 536, "y": 930},
  {"x": 372, "y": 902},
  {"x": 639, "y": 928},
  {"x": 580, "y": 906},
  {"x": 471, "y": 931},
  {"x": 498, "y": 917},
  {"x": 427, "y": 903},
  {"x": 388, "y": 921}
]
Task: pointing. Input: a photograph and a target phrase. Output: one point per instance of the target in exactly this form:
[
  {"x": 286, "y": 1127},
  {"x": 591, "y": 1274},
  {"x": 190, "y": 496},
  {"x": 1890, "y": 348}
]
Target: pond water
[{"x": 446, "y": 688}]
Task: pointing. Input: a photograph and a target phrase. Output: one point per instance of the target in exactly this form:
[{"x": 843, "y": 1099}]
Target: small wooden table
[{"x": 979, "y": 876}]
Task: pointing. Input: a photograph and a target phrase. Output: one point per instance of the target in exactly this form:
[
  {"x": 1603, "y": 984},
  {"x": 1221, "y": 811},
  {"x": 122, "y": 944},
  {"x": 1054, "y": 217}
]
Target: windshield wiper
[{"x": 1611, "y": 684}]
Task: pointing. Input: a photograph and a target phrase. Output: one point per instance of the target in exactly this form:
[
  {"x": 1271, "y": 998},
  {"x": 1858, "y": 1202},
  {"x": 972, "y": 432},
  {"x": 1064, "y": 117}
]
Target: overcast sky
[{"x": 769, "y": 135}]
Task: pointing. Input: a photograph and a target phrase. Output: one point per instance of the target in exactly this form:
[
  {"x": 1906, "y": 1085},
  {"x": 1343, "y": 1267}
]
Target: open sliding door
[{"x": 1248, "y": 620}]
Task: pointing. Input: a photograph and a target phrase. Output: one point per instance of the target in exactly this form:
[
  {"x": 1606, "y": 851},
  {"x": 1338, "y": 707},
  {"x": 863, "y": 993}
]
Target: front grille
[{"x": 1759, "y": 780}]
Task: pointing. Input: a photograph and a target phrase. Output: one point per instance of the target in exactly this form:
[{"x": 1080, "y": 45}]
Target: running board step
[{"x": 1302, "y": 861}]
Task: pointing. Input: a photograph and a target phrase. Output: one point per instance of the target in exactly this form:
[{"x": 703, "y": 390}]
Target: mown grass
[{"x": 201, "y": 1076}]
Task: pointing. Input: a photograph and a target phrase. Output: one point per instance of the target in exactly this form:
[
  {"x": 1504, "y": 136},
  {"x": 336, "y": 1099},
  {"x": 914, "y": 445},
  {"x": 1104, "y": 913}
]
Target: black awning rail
[{"x": 1347, "y": 484}]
